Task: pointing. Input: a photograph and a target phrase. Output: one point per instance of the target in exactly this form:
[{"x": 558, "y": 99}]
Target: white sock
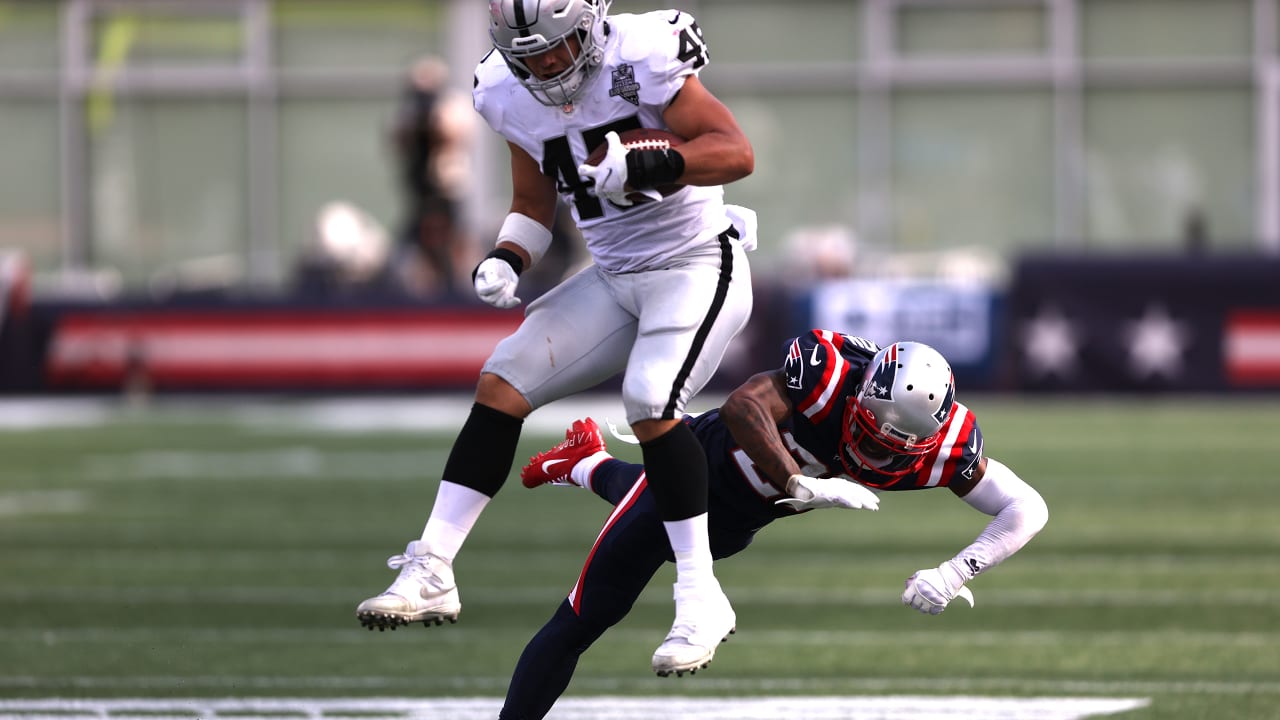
[
  {"x": 692, "y": 548},
  {"x": 456, "y": 510},
  {"x": 581, "y": 473}
]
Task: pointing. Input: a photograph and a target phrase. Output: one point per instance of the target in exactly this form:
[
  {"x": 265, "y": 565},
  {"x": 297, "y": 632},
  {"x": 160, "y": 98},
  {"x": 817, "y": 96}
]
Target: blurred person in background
[
  {"x": 818, "y": 254},
  {"x": 349, "y": 253},
  {"x": 669, "y": 289},
  {"x": 432, "y": 134},
  {"x": 839, "y": 420}
]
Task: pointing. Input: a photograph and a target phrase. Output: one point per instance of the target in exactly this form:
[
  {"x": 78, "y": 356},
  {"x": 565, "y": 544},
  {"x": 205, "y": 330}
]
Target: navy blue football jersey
[{"x": 823, "y": 370}]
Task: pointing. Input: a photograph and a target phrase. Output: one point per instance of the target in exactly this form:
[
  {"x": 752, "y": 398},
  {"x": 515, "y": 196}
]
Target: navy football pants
[{"x": 630, "y": 550}]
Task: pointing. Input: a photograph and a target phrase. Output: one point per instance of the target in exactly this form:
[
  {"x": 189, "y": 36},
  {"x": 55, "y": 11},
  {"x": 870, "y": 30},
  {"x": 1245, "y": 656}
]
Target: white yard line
[
  {"x": 796, "y": 596},
  {"x": 815, "y": 638},
  {"x": 596, "y": 708},
  {"x": 348, "y": 415},
  {"x": 496, "y": 685}
]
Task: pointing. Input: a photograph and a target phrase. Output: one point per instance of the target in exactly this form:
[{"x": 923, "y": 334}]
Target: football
[{"x": 642, "y": 139}]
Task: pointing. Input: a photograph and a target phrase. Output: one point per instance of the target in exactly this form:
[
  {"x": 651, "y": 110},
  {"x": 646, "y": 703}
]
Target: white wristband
[{"x": 526, "y": 232}]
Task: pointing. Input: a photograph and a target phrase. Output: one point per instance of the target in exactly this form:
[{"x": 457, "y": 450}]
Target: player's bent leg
[
  {"x": 547, "y": 665},
  {"x": 582, "y": 440},
  {"x": 423, "y": 592},
  {"x": 495, "y": 392},
  {"x": 614, "y": 478},
  {"x": 586, "y": 463},
  {"x": 704, "y": 616},
  {"x": 627, "y": 553},
  {"x": 476, "y": 469}
]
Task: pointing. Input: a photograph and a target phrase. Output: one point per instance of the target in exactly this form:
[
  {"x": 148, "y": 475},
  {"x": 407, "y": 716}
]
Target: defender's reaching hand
[
  {"x": 929, "y": 592},
  {"x": 810, "y": 492}
]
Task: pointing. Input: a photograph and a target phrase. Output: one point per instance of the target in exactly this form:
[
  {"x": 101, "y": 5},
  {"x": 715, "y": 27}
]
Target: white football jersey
[{"x": 646, "y": 60}]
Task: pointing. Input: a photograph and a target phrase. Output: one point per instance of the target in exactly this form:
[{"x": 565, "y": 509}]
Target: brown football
[{"x": 642, "y": 139}]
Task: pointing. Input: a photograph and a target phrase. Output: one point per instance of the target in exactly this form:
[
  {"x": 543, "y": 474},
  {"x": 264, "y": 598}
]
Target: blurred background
[{"x": 290, "y": 194}]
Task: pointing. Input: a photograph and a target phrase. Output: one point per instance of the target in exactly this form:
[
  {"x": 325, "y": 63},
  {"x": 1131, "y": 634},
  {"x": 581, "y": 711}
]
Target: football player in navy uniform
[
  {"x": 668, "y": 290},
  {"x": 841, "y": 420}
]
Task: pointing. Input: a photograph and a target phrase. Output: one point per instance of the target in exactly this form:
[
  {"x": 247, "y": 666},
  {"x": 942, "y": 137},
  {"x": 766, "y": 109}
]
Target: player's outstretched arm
[{"x": 1019, "y": 514}]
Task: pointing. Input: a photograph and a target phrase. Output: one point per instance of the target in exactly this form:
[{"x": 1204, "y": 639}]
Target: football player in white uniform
[{"x": 670, "y": 287}]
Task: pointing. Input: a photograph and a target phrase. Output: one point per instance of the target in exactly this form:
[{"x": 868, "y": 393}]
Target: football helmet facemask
[
  {"x": 521, "y": 29},
  {"x": 906, "y": 396}
]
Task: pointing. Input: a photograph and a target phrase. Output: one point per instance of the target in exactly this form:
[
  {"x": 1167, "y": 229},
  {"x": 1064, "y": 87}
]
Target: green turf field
[{"x": 169, "y": 552}]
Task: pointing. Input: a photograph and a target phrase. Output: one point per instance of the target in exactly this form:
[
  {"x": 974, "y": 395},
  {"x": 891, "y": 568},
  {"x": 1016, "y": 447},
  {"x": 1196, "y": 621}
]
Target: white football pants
[{"x": 667, "y": 329}]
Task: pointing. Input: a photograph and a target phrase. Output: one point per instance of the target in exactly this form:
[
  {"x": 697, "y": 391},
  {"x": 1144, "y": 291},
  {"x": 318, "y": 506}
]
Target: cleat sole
[
  {"x": 679, "y": 672},
  {"x": 381, "y": 623}
]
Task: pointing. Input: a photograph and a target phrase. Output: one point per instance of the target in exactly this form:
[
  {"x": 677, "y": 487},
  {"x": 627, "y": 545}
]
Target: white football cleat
[
  {"x": 582, "y": 440},
  {"x": 424, "y": 591},
  {"x": 704, "y": 618}
]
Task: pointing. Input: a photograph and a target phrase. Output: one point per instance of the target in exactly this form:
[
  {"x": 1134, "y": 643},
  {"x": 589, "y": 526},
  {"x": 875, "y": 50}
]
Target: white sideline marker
[{"x": 850, "y": 707}]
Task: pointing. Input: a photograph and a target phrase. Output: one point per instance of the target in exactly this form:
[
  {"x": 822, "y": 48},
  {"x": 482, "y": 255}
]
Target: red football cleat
[{"x": 581, "y": 440}]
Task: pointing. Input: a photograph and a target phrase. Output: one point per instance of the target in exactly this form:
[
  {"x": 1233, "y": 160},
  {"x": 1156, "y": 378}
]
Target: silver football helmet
[
  {"x": 906, "y": 396},
  {"x": 524, "y": 28}
]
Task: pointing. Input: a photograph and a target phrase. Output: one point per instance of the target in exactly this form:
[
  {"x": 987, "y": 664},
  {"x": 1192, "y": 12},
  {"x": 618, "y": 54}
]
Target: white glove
[
  {"x": 929, "y": 591},
  {"x": 813, "y": 492},
  {"x": 496, "y": 283},
  {"x": 610, "y": 175}
]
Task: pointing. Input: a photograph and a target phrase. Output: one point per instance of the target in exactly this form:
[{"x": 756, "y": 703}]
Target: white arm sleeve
[
  {"x": 528, "y": 233},
  {"x": 1019, "y": 513}
]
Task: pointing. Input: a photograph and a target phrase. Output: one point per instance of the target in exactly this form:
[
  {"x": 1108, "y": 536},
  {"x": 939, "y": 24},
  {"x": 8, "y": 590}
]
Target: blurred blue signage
[{"x": 956, "y": 318}]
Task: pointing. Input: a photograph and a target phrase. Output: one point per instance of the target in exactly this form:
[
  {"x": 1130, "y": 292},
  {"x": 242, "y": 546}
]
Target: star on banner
[
  {"x": 1156, "y": 344},
  {"x": 1050, "y": 342}
]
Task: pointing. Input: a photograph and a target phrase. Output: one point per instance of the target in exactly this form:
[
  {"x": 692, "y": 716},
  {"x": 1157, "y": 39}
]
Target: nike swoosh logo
[
  {"x": 429, "y": 594},
  {"x": 813, "y": 356},
  {"x": 973, "y": 447},
  {"x": 546, "y": 466},
  {"x": 675, "y": 19}
]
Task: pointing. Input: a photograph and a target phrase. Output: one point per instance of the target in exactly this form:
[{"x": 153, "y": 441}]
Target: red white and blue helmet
[
  {"x": 523, "y": 28},
  {"x": 906, "y": 396}
]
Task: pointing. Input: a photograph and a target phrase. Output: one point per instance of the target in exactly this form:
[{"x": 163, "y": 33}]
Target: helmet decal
[
  {"x": 881, "y": 383},
  {"x": 944, "y": 410},
  {"x": 793, "y": 367}
]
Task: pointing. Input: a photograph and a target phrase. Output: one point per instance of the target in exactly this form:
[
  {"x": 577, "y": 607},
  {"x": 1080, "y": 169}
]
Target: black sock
[
  {"x": 676, "y": 466},
  {"x": 482, "y": 455}
]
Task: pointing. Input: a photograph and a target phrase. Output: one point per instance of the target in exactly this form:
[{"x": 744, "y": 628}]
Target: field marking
[
  {"x": 786, "y": 638},
  {"x": 427, "y": 412},
  {"x": 795, "y": 596},
  {"x": 285, "y": 463},
  {"x": 42, "y": 502},
  {"x": 907, "y": 707},
  {"x": 40, "y": 413},
  {"x": 442, "y": 412},
  {"x": 1155, "y": 564},
  {"x": 497, "y": 684}
]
